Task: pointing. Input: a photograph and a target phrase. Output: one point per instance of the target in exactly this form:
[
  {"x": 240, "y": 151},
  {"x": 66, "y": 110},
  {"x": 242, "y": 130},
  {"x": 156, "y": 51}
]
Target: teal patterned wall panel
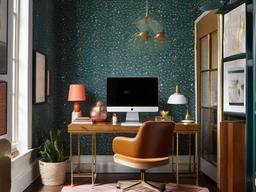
[
  {"x": 91, "y": 42},
  {"x": 45, "y": 41}
]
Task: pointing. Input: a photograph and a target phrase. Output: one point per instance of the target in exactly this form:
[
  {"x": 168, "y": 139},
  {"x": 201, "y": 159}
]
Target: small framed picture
[
  {"x": 234, "y": 31},
  {"x": 3, "y": 35},
  {"x": 39, "y": 78},
  {"x": 3, "y": 107},
  {"x": 234, "y": 75}
]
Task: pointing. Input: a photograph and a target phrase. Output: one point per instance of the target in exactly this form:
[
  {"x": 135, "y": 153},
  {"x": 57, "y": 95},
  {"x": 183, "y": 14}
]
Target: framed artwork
[
  {"x": 234, "y": 82},
  {"x": 3, "y": 35},
  {"x": 39, "y": 78},
  {"x": 234, "y": 31},
  {"x": 3, "y": 107},
  {"x": 48, "y": 83}
]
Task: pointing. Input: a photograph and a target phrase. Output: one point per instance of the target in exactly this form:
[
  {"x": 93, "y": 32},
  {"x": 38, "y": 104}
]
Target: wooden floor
[{"x": 204, "y": 181}]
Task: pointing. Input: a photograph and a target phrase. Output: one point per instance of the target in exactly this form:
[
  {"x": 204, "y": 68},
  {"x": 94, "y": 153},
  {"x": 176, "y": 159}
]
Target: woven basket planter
[{"x": 53, "y": 173}]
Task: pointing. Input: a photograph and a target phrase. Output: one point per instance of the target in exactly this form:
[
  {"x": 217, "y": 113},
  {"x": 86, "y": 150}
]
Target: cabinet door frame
[{"x": 219, "y": 85}]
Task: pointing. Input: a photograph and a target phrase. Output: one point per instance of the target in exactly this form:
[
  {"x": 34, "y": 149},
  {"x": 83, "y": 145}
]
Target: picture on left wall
[
  {"x": 39, "y": 78},
  {"x": 3, "y": 107},
  {"x": 3, "y": 35}
]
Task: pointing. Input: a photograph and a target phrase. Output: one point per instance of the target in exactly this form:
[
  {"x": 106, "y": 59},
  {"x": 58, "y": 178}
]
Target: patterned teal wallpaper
[
  {"x": 45, "y": 41},
  {"x": 87, "y": 41}
]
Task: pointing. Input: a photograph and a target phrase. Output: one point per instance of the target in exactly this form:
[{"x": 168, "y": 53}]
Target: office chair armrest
[{"x": 124, "y": 146}]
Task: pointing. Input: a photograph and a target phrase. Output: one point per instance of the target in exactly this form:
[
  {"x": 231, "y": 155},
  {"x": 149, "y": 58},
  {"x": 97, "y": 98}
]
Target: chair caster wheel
[
  {"x": 118, "y": 186},
  {"x": 162, "y": 188}
]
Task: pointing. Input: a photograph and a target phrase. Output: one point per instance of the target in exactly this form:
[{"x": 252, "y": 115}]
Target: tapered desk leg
[
  {"x": 71, "y": 158},
  {"x": 197, "y": 157},
  {"x": 172, "y": 152},
  {"x": 78, "y": 151},
  {"x": 194, "y": 160},
  {"x": 177, "y": 158},
  {"x": 93, "y": 158},
  {"x": 189, "y": 151}
]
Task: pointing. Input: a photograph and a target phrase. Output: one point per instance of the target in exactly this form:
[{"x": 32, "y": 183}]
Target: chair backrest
[
  {"x": 154, "y": 139},
  {"x": 5, "y": 148},
  {"x": 5, "y": 165}
]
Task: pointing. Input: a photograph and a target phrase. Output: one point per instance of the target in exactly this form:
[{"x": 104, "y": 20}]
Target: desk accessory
[
  {"x": 83, "y": 120},
  {"x": 164, "y": 115},
  {"x": 186, "y": 122},
  {"x": 160, "y": 118},
  {"x": 131, "y": 95},
  {"x": 76, "y": 93},
  {"x": 179, "y": 99},
  {"x": 114, "y": 119},
  {"x": 99, "y": 112}
]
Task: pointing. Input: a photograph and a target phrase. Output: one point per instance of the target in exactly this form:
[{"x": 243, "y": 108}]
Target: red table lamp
[{"x": 76, "y": 93}]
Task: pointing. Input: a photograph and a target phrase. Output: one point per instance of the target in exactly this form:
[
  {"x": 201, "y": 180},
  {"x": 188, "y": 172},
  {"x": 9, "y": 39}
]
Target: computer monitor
[{"x": 132, "y": 95}]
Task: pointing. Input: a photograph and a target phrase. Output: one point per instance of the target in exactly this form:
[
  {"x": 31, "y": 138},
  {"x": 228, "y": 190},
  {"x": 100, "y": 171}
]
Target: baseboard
[
  {"x": 208, "y": 169},
  {"x": 105, "y": 164},
  {"x": 24, "y": 172}
]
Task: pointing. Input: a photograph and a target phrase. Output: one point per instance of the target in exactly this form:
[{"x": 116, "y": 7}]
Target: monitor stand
[{"x": 132, "y": 119}]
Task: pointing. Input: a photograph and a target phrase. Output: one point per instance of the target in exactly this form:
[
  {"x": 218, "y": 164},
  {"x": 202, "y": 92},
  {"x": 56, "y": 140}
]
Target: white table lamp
[{"x": 179, "y": 99}]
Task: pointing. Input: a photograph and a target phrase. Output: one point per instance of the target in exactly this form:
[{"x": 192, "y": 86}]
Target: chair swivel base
[{"x": 140, "y": 183}]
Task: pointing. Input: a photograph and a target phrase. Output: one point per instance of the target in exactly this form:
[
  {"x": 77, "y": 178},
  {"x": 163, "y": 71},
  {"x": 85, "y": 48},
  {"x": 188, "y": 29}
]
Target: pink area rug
[{"x": 112, "y": 188}]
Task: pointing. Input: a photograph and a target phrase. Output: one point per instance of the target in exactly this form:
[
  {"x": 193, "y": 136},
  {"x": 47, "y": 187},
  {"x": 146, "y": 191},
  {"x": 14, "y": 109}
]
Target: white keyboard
[{"x": 131, "y": 124}]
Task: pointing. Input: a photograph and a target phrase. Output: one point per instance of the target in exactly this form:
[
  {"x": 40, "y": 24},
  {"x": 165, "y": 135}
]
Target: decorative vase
[
  {"x": 164, "y": 115},
  {"x": 99, "y": 112},
  {"x": 52, "y": 173}
]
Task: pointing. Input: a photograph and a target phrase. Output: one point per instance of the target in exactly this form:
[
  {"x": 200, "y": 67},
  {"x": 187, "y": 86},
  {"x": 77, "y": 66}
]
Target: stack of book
[{"x": 83, "y": 120}]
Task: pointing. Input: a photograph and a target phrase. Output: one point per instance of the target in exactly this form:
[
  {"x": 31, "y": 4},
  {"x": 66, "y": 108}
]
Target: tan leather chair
[
  {"x": 5, "y": 165},
  {"x": 149, "y": 148}
]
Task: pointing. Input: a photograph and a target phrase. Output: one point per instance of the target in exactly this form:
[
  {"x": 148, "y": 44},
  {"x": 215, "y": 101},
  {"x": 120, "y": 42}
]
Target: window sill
[{"x": 21, "y": 155}]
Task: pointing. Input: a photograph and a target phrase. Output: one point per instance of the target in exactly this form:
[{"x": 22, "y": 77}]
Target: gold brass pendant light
[
  {"x": 160, "y": 36},
  {"x": 148, "y": 25},
  {"x": 144, "y": 35},
  {"x": 150, "y": 33}
]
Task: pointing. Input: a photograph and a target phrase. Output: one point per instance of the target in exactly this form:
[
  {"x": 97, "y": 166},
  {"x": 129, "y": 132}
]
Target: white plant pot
[{"x": 53, "y": 173}]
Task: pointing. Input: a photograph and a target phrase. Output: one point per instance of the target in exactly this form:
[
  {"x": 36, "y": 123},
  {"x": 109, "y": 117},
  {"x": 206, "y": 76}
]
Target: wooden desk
[{"x": 106, "y": 127}]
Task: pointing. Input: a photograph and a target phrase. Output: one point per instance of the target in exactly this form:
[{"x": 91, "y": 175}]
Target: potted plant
[{"x": 53, "y": 163}]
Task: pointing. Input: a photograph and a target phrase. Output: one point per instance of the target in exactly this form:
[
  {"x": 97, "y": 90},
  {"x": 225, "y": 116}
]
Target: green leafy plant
[{"x": 51, "y": 150}]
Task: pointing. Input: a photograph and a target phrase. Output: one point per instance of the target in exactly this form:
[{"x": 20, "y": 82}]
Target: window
[
  {"x": 23, "y": 76},
  {"x": 19, "y": 75},
  {"x": 6, "y": 40},
  {"x": 15, "y": 51}
]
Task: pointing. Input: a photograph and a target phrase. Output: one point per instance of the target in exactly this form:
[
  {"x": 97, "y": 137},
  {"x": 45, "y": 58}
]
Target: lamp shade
[
  {"x": 77, "y": 92},
  {"x": 177, "y": 98}
]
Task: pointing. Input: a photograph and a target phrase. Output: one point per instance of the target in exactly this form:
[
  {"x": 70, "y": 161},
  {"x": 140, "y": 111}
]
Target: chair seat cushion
[{"x": 140, "y": 163}]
